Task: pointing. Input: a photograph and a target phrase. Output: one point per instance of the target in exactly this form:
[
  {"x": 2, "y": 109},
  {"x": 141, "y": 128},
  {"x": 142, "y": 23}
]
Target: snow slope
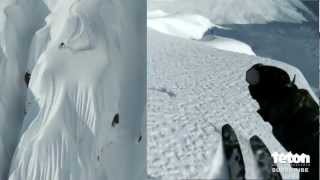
[
  {"x": 86, "y": 104},
  {"x": 193, "y": 90},
  {"x": 238, "y": 12},
  {"x": 16, "y": 31}
]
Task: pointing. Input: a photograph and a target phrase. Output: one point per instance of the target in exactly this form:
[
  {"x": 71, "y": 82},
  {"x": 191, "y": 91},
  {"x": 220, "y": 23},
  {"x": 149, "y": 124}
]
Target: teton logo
[
  {"x": 290, "y": 158},
  {"x": 299, "y": 162}
]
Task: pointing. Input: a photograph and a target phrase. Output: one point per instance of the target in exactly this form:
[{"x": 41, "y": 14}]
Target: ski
[
  {"x": 264, "y": 159},
  {"x": 233, "y": 154}
]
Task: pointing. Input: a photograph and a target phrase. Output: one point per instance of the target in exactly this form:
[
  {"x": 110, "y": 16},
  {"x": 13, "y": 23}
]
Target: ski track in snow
[{"x": 210, "y": 89}]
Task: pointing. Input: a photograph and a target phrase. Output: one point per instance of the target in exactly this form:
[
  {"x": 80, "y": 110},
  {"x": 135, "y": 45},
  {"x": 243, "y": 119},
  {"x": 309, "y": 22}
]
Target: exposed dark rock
[
  {"x": 115, "y": 120},
  {"x": 27, "y": 77}
]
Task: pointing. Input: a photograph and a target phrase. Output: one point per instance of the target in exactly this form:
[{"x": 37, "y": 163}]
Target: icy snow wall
[
  {"x": 19, "y": 20},
  {"x": 86, "y": 105}
]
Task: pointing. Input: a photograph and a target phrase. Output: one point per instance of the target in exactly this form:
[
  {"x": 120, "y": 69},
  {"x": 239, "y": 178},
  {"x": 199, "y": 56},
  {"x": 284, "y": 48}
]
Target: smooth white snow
[
  {"x": 189, "y": 26},
  {"x": 228, "y": 44}
]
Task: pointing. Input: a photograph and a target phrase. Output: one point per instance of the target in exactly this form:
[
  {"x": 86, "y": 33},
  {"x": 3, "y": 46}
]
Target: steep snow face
[
  {"x": 86, "y": 105},
  {"x": 18, "y": 22},
  {"x": 237, "y": 12}
]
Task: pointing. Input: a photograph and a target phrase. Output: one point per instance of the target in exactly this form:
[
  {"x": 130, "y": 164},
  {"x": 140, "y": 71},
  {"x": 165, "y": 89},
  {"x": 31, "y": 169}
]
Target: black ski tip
[
  {"x": 228, "y": 133},
  {"x": 257, "y": 143},
  {"x": 255, "y": 140},
  {"x": 227, "y": 127},
  {"x": 229, "y": 136}
]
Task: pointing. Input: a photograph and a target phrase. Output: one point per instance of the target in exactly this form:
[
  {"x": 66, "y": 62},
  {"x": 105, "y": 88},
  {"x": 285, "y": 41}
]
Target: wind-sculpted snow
[
  {"x": 18, "y": 22},
  {"x": 189, "y": 26},
  {"x": 195, "y": 27},
  {"x": 238, "y": 12},
  {"x": 88, "y": 72},
  {"x": 210, "y": 91}
]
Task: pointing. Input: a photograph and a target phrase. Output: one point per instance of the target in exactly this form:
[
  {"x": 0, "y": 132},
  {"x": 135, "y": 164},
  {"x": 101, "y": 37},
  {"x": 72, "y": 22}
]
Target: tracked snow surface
[
  {"x": 193, "y": 90},
  {"x": 85, "y": 108}
]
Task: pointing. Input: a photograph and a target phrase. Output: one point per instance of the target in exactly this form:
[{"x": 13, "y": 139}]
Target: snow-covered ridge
[
  {"x": 190, "y": 26},
  {"x": 193, "y": 26},
  {"x": 238, "y": 12}
]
